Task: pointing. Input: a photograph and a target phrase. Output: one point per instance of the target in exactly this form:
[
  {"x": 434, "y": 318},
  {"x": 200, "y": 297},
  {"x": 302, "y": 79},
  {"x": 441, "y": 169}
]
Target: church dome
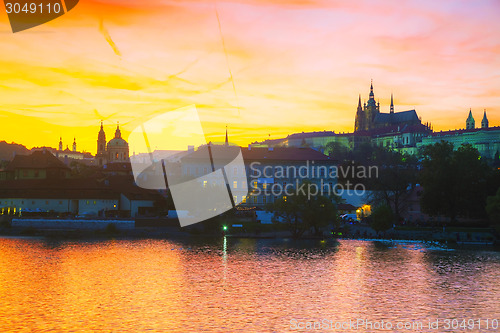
[{"x": 117, "y": 142}]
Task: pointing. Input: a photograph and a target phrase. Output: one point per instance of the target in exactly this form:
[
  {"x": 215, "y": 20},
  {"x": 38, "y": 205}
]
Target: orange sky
[{"x": 297, "y": 66}]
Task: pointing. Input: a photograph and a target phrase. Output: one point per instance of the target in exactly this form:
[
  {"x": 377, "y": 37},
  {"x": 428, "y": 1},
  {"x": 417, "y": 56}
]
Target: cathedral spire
[
  {"x": 484, "y": 122},
  {"x": 359, "y": 104},
  {"x": 227, "y": 141},
  {"x": 371, "y": 89},
  {"x": 74, "y": 144},
  {"x": 392, "y": 104},
  {"x": 470, "y": 123}
]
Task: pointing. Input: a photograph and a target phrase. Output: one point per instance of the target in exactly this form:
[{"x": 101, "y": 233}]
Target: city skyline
[{"x": 300, "y": 67}]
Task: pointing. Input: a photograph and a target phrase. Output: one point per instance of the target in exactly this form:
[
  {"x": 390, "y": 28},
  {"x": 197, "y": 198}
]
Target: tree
[
  {"x": 382, "y": 218},
  {"x": 302, "y": 212},
  {"x": 454, "y": 181},
  {"x": 319, "y": 212},
  {"x": 493, "y": 207},
  {"x": 397, "y": 173},
  {"x": 337, "y": 150},
  {"x": 290, "y": 210}
]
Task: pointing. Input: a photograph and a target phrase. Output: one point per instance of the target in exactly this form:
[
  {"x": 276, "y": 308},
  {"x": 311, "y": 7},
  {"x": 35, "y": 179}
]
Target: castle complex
[
  {"x": 369, "y": 116},
  {"x": 401, "y": 131}
]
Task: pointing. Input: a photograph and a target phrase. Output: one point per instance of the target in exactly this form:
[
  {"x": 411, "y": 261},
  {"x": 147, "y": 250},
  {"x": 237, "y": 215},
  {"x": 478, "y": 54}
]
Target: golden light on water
[{"x": 233, "y": 284}]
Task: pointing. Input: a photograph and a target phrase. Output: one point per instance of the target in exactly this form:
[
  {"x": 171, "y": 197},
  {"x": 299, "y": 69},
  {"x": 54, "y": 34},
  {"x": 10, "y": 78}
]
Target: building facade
[
  {"x": 267, "y": 174},
  {"x": 485, "y": 139},
  {"x": 114, "y": 151},
  {"x": 400, "y": 131}
]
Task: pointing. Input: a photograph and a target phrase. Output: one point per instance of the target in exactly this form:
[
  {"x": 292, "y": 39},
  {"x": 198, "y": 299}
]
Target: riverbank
[{"x": 159, "y": 229}]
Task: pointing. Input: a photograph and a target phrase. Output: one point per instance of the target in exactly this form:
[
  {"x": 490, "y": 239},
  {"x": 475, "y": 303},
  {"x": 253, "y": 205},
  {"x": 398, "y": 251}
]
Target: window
[
  {"x": 254, "y": 199},
  {"x": 284, "y": 198},
  {"x": 244, "y": 199},
  {"x": 95, "y": 202},
  {"x": 235, "y": 198},
  {"x": 88, "y": 202},
  {"x": 264, "y": 186},
  {"x": 235, "y": 184},
  {"x": 254, "y": 184},
  {"x": 205, "y": 183}
]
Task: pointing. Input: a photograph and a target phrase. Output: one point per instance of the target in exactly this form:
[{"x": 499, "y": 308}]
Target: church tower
[
  {"x": 60, "y": 144},
  {"x": 470, "y": 123},
  {"x": 484, "y": 122},
  {"x": 101, "y": 147},
  {"x": 371, "y": 110},
  {"x": 74, "y": 144},
  {"x": 359, "y": 123},
  {"x": 118, "y": 133},
  {"x": 392, "y": 104},
  {"x": 227, "y": 140}
]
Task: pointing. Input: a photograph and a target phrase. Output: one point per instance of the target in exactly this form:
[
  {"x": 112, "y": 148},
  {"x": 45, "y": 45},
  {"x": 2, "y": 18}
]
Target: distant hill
[{"x": 8, "y": 150}]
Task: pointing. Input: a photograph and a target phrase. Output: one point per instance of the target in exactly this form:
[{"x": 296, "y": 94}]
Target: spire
[
  {"x": 74, "y": 144},
  {"x": 470, "y": 123},
  {"x": 360, "y": 109},
  {"x": 371, "y": 89},
  {"x": 392, "y": 104},
  {"x": 101, "y": 135},
  {"x": 227, "y": 141},
  {"x": 484, "y": 122},
  {"x": 101, "y": 142},
  {"x": 118, "y": 133},
  {"x": 60, "y": 143}
]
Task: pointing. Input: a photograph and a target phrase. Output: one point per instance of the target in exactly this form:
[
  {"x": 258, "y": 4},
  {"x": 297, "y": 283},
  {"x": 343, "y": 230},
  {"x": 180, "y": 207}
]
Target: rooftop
[
  {"x": 462, "y": 131},
  {"x": 258, "y": 153},
  {"x": 41, "y": 159}
]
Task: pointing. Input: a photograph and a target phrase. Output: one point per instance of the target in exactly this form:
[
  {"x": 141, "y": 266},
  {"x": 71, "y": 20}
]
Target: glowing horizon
[{"x": 296, "y": 66}]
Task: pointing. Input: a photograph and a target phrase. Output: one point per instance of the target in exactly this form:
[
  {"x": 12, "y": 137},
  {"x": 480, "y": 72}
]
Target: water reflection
[{"x": 231, "y": 284}]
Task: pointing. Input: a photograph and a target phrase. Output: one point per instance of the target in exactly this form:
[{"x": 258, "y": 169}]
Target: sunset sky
[{"x": 296, "y": 66}]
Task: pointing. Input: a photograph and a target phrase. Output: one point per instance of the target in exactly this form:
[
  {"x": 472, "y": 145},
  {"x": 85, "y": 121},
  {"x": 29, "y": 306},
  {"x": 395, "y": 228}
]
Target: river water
[{"x": 245, "y": 285}]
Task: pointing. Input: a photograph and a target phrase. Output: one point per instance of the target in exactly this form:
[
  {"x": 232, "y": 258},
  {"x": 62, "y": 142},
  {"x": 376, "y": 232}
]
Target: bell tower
[
  {"x": 484, "y": 122},
  {"x": 101, "y": 147},
  {"x": 470, "y": 123}
]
